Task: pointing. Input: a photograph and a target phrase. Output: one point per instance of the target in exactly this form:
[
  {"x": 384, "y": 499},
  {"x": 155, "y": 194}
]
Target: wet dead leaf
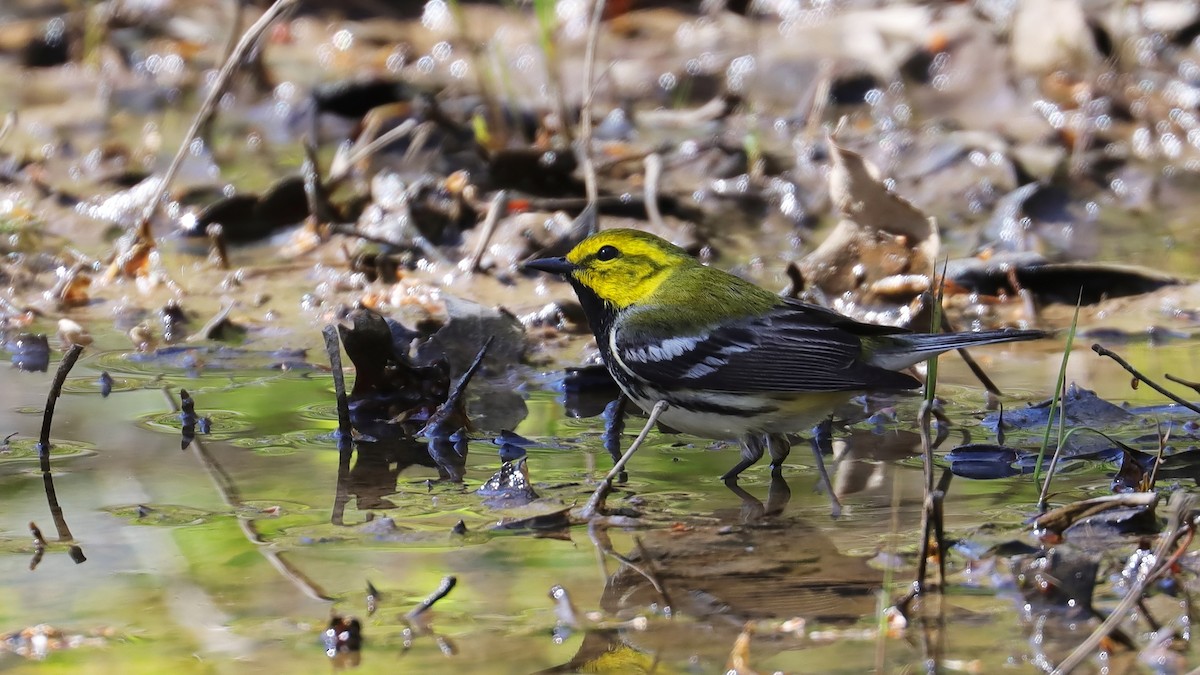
[{"x": 1059, "y": 519}]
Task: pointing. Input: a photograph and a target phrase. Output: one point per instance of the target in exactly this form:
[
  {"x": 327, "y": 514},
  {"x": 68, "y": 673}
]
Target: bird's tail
[{"x": 897, "y": 352}]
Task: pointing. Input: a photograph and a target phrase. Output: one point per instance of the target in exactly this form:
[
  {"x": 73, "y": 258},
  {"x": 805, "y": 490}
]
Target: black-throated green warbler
[{"x": 733, "y": 360}]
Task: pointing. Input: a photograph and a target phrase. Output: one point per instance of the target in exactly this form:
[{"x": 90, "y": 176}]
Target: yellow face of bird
[{"x": 623, "y": 267}]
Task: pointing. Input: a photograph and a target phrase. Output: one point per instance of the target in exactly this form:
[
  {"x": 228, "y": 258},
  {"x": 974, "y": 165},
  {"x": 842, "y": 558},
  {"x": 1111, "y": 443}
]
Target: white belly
[{"x": 791, "y": 416}]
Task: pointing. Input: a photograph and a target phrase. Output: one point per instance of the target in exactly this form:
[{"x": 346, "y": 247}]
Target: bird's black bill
[{"x": 551, "y": 265}]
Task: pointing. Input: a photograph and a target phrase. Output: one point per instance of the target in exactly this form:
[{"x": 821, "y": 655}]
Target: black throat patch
[{"x": 600, "y": 314}]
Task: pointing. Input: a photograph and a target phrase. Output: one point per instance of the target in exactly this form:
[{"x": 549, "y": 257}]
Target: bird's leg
[
  {"x": 778, "y": 446},
  {"x": 753, "y": 446},
  {"x": 614, "y": 426},
  {"x": 822, "y": 440}
]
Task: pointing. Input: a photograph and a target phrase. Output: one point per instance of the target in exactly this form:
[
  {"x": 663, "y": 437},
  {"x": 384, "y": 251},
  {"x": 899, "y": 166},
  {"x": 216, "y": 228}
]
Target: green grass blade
[
  {"x": 1055, "y": 400},
  {"x": 935, "y": 324}
]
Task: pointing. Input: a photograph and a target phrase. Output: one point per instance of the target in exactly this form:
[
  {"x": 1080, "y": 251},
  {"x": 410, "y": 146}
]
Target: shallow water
[
  {"x": 231, "y": 555},
  {"x": 223, "y": 558}
]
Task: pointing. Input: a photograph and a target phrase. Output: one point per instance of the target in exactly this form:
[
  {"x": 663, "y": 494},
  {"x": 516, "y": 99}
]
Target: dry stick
[
  {"x": 56, "y": 512},
  {"x": 357, "y": 155},
  {"x": 235, "y": 27},
  {"x": 498, "y": 206},
  {"x": 1180, "y": 380},
  {"x": 585, "y": 114},
  {"x": 64, "y": 368},
  {"x": 653, "y": 164},
  {"x": 976, "y": 369},
  {"x": 924, "y": 420},
  {"x": 209, "y": 107},
  {"x": 437, "y": 423},
  {"x": 341, "y": 492},
  {"x": 210, "y": 326},
  {"x": 939, "y": 524},
  {"x": 1133, "y": 371},
  {"x": 421, "y": 136},
  {"x": 933, "y": 642},
  {"x": 426, "y": 246},
  {"x": 332, "y": 348},
  {"x": 1181, "y": 505},
  {"x": 933, "y": 513},
  {"x": 594, "y": 504},
  {"x": 443, "y": 589}
]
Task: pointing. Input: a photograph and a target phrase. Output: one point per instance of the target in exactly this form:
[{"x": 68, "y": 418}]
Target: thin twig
[
  {"x": 450, "y": 416},
  {"x": 333, "y": 349},
  {"x": 1099, "y": 349},
  {"x": 64, "y": 368},
  {"x": 585, "y": 113},
  {"x": 1181, "y": 507},
  {"x": 498, "y": 207},
  {"x": 209, "y": 107},
  {"x": 343, "y": 165},
  {"x": 443, "y": 589},
  {"x": 596, "y": 503},
  {"x": 976, "y": 369},
  {"x": 426, "y": 246},
  {"x": 604, "y": 548},
  {"x": 56, "y": 512},
  {"x": 924, "y": 421},
  {"x": 421, "y": 136},
  {"x": 653, "y": 164},
  {"x": 1180, "y": 380},
  {"x": 939, "y": 524},
  {"x": 235, "y": 32}
]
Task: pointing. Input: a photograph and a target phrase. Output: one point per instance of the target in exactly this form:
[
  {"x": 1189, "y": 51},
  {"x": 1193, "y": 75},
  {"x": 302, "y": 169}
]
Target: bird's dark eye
[{"x": 607, "y": 253}]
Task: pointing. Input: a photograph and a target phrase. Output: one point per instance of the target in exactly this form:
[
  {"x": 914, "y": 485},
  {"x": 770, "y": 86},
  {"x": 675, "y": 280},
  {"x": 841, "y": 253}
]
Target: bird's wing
[{"x": 792, "y": 348}]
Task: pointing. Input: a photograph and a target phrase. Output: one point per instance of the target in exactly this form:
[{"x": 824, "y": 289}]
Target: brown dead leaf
[
  {"x": 880, "y": 258},
  {"x": 72, "y": 289},
  {"x": 739, "y": 656},
  {"x": 130, "y": 263}
]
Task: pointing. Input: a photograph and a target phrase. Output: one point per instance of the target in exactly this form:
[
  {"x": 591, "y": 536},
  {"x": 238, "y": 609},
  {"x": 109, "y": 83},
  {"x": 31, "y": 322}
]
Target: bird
[{"x": 733, "y": 361}]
